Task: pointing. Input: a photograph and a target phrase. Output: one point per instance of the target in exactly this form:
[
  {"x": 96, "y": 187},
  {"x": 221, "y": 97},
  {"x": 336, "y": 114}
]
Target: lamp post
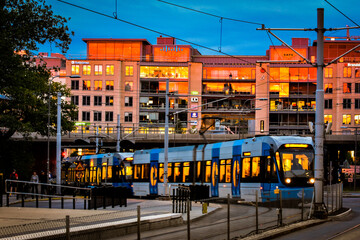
[
  {"x": 355, "y": 152},
  {"x": 48, "y": 123}
]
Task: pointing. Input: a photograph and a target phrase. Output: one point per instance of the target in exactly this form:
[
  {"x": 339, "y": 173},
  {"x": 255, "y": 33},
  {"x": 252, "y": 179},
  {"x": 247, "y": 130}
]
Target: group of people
[{"x": 35, "y": 179}]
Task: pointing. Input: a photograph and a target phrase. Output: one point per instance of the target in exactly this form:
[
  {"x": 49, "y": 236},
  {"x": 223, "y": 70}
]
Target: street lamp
[
  {"x": 355, "y": 152},
  {"x": 48, "y": 123}
]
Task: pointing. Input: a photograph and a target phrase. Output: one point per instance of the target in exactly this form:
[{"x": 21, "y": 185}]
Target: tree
[{"x": 26, "y": 24}]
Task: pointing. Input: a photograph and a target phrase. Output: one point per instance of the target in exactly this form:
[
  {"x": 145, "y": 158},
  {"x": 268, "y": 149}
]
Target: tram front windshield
[{"x": 297, "y": 162}]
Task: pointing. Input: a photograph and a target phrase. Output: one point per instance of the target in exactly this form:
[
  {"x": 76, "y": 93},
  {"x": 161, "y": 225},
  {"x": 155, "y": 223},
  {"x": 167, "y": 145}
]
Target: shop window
[
  {"x": 98, "y": 70},
  {"x": 109, "y": 70},
  {"x": 97, "y": 85},
  {"x": 346, "y": 87},
  {"x": 109, "y": 85},
  {"x": 129, "y": 71},
  {"x": 347, "y": 72},
  {"x": 346, "y": 118}
]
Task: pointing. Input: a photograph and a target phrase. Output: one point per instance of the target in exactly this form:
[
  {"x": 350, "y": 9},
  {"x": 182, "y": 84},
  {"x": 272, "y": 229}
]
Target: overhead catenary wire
[{"x": 342, "y": 13}]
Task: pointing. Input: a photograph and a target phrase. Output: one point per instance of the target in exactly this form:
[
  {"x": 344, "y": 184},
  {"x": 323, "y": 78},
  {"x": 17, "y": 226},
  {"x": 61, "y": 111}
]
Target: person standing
[
  {"x": 13, "y": 184},
  {"x": 34, "y": 180},
  {"x": 43, "y": 181}
]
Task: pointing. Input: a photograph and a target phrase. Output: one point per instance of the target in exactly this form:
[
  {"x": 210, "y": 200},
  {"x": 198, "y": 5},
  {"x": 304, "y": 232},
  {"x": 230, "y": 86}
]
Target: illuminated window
[
  {"x": 97, "y": 100},
  {"x": 186, "y": 172},
  {"x": 177, "y": 172},
  {"x": 357, "y": 119},
  {"x": 86, "y": 69},
  {"x": 109, "y": 85},
  {"x": 346, "y": 118},
  {"x": 128, "y": 117},
  {"x": 255, "y": 168},
  {"x": 327, "y": 118},
  {"x": 98, "y": 85},
  {"x": 357, "y": 72},
  {"x": 245, "y": 168},
  {"x": 328, "y": 88},
  {"x": 346, "y": 87},
  {"x": 328, "y": 72},
  {"x": 207, "y": 171},
  {"x": 161, "y": 172},
  {"x": 98, "y": 69},
  {"x": 225, "y": 171},
  {"x": 109, "y": 101},
  {"x": 164, "y": 72},
  {"x": 86, "y": 85},
  {"x": 280, "y": 88},
  {"x": 109, "y": 117},
  {"x": 109, "y": 70},
  {"x": 170, "y": 173},
  {"x": 129, "y": 71},
  {"x": 75, "y": 69},
  {"x": 128, "y": 86},
  {"x": 347, "y": 72}
]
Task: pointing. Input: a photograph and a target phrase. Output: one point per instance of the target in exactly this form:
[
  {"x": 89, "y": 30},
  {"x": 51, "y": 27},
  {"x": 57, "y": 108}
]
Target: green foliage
[{"x": 25, "y": 24}]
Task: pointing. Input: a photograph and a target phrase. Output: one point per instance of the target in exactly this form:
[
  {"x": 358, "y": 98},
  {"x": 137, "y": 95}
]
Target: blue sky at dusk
[{"x": 237, "y": 38}]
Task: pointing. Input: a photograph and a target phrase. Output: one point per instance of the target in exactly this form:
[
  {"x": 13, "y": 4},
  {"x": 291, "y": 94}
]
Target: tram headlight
[
  {"x": 288, "y": 180},
  {"x": 312, "y": 180}
]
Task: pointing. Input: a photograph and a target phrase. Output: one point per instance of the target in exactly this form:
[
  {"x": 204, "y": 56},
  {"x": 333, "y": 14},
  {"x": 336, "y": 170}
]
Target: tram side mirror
[{"x": 311, "y": 127}]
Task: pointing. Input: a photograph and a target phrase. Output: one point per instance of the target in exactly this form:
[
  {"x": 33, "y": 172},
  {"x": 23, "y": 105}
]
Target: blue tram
[
  {"x": 238, "y": 168},
  {"x": 113, "y": 169}
]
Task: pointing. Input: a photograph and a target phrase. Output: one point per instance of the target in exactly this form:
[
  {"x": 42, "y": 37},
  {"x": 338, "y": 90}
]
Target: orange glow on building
[
  {"x": 171, "y": 53},
  {"x": 287, "y": 54}
]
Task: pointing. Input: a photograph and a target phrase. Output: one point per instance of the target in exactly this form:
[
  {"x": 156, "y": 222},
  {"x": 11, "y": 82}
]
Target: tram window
[
  {"x": 255, "y": 170},
  {"x": 161, "y": 172},
  {"x": 177, "y": 172},
  {"x": 98, "y": 177},
  {"x": 287, "y": 161},
  {"x": 115, "y": 172},
  {"x": 207, "y": 171},
  {"x": 170, "y": 173},
  {"x": 92, "y": 174},
  {"x": 303, "y": 160},
  {"x": 198, "y": 172},
  {"x": 186, "y": 172},
  {"x": 225, "y": 171},
  {"x": 107, "y": 169},
  {"x": 278, "y": 160},
  {"x": 146, "y": 171},
  {"x": 137, "y": 171},
  {"x": 270, "y": 173},
  {"x": 245, "y": 168},
  {"x": 87, "y": 175}
]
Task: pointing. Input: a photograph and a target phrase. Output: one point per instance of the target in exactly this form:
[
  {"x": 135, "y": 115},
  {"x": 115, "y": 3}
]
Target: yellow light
[
  {"x": 247, "y": 153},
  {"x": 129, "y": 159},
  {"x": 91, "y": 163},
  {"x": 312, "y": 180},
  {"x": 104, "y": 164},
  {"x": 288, "y": 180},
  {"x": 296, "y": 145}
]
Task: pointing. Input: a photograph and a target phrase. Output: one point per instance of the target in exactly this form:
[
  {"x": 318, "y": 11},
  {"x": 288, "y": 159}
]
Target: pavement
[{"x": 154, "y": 213}]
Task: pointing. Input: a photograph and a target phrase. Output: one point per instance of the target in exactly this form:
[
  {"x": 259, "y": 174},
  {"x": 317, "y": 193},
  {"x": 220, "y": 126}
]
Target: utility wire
[
  {"x": 342, "y": 13},
  {"x": 213, "y": 15},
  {"x": 155, "y": 31}
]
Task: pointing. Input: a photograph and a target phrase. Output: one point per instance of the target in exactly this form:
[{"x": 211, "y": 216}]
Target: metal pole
[
  {"x": 228, "y": 216},
  {"x": 188, "y": 218},
  {"x": 319, "y": 118},
  {"x": 118, "y": 134},
  {"x": 355, "y": 158},
  {"x": 138, "y": 223},
  {"x": 48, "y": 135},
  {"x": 58, "y": 140},
  {"x": 166, "y": 138},
  {"x": 67, "y": 227},
  {"x": 257, "y": 212},
  {"x": 96, "y": 140}
]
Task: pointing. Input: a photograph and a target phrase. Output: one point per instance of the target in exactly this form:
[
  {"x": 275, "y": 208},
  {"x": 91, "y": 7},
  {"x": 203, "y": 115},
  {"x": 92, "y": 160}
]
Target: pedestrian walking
[{"x": 34, "y": 183}]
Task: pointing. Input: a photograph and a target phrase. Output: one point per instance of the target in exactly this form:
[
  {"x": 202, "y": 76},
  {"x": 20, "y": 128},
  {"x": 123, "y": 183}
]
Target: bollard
[
  {"x": 7, "y": 200},
  {"x": 228, "y": 216},
  {"x": 62, "y": 202},
  {"x": 257, "y": 212},
  {"x": 37, "y": 201},
  {"x": 22, "y": 200},
  {"x": 67, "y": 227},
  {"x": 85, "y": 201},
  {"x": 74, "y": 200},
  {"x": 104, "y": 198},
  {"x": 95, "y": 197},
  {"x": 138, "y": 223},
  {"x": 332, "y": 198},
  {"x": 188, "y": 219},
  {"x": 173, "y": 201},
  {"x": 113, "y": 198},
  {"x": 176, "y": 200},
  {"x": 49, "y": 202},
  {"x": 280, "y": 193},
  {"x": 336, "y": 198}
]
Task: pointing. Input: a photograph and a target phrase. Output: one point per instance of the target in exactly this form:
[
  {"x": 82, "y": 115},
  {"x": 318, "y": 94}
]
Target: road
[{"x": 347, "y": 227}]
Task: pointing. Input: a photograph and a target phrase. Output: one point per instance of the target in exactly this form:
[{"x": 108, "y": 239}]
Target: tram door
[
  {"x": 235, "y": 183},
  {"x": 215, "y": 171},
  {"x": 154, "y": 167}
]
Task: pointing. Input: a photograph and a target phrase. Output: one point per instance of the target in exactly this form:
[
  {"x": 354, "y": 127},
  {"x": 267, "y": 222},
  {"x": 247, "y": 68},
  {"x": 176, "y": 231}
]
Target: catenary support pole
[
  {"x": 118, "y": 134},
  {"x": 319, "y": 210},
  {"x": 166, "y": 139},
  {"x": 58, "y": 140}
]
